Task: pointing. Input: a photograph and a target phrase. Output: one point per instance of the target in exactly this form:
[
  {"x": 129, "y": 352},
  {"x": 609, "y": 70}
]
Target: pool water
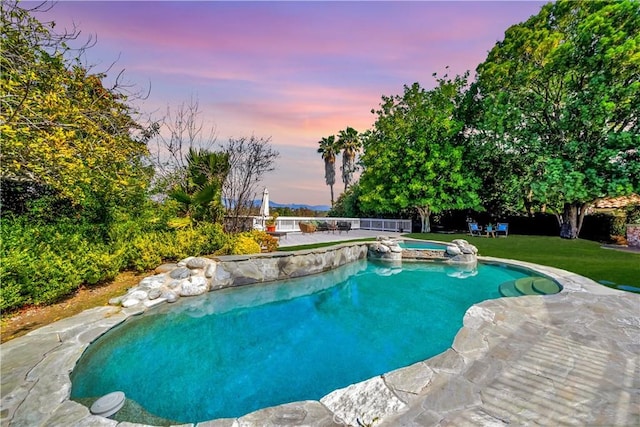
[
  {"x": 238, "y": 350},
  {"x": 414, "y": 244}
]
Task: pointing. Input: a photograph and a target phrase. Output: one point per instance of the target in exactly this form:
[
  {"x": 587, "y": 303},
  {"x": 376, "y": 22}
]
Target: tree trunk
[
  {"x": 331, "y": 187},
  {"x": 571, "y": 219},
  {"x": 425, "y": 212}
]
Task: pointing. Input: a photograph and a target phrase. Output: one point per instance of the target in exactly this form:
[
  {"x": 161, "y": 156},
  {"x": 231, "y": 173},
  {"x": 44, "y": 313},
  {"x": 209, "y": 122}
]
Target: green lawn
[{"x": 583, "y": 257}]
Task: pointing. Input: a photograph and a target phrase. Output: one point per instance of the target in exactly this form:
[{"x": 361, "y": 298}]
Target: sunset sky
[{"x": 292, "y": 71}]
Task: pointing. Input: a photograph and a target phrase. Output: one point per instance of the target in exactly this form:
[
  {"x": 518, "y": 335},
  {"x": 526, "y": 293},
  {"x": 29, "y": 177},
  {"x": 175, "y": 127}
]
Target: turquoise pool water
[
  {"x": 238, "y": 350},
  {"x": 414, "y": 244}
]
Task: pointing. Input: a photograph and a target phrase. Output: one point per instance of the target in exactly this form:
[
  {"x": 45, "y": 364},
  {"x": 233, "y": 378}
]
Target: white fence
[
  {"x": 399, "y": 225},
  {"x": 290, "y": 223}
]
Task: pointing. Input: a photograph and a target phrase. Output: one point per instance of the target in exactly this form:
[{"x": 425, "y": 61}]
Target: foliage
[
  {"x": 329, "y": 149},
  {"x": 561, "y": 92},
  {"x": 201, "y": 193},
  {"x": 348, "y": 204},
  {"x": 266, "y": 241},
  {"x": 411, "y": 157},
  {"x": 42, "y": 262},
  {"x": 240, "y": 244},
  {"x": 632, "y": 213},
  {"x": 249, "y": 160},
  {"x": 61, "y": 128},
  {"x": 273, "y": 220}
]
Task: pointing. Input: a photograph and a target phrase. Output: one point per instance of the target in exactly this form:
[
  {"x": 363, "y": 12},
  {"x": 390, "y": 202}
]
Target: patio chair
[
  {"x": 323, "y": 226},
  {"x": 475, "y": 229},
  {"x": 344, "y": 226},
  {"x": 502, "y": 229}
]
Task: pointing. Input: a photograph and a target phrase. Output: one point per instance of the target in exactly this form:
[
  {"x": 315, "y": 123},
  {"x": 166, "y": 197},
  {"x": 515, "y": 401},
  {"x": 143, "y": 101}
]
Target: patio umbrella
[{"x": 264, "y": 207}]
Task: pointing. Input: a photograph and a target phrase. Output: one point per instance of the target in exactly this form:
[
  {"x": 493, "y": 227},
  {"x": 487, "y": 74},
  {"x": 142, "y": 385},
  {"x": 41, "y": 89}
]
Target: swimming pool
[
  {"x": 422, "y": 244},
  {"x": 237, "y": 350}
]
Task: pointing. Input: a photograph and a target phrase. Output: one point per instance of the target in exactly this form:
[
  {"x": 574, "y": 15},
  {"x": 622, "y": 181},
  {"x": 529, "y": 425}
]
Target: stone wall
[
  {"x": 198, "y": 275},
  {"x": 633, "y": 235}
]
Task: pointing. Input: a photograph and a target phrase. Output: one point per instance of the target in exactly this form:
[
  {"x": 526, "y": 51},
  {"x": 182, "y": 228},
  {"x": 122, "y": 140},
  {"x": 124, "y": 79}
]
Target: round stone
[
  {"x": 108, "y": 404},
  {"x": 154, "y": 294},
  {"x": 180, "y": 273}
]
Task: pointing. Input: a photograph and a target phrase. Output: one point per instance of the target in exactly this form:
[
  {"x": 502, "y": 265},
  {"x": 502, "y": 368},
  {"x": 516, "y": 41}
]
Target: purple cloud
[{"x": 295, "y": 71}]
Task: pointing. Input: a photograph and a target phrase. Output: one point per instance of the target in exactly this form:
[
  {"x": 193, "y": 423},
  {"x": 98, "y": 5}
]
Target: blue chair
[
  {"x": 475, "y": 229},
  {"x": 502, "y": 229}
]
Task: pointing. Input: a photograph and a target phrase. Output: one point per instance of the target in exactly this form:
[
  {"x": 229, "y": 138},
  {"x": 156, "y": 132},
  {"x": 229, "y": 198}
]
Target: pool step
[{"x": 533, "y": 285}]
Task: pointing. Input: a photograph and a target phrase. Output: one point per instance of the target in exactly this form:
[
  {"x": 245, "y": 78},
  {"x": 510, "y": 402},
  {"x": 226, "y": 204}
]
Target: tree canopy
[
  {"x": 411, "y": 158},
  {"x": 562, "y": 92},
  {"x": 61, "y": 128}
]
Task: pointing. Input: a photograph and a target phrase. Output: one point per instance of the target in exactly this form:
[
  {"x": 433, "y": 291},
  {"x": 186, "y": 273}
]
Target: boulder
[
  {"x": 130, "y": 302},
  {"x": 180, "y": 273},
  {"x": 210, "y": 271},
  {"x": 152, "y": 282},
  {"x": 154, "y": 294},
  {"x": 197, "y": 262},
  {"x": 196, "y": 285},
  {"x": 383, "y": 249},
  {"x": 453, "y": 250},
  {"x": 170, "y": 296}
]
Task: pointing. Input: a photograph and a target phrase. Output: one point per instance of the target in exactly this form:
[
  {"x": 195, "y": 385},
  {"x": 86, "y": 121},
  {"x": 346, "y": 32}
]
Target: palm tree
[
  {"x": 349, "y": 143},
  {"x": 328, "y": 149},
  {"x": 201, "y": 194}
]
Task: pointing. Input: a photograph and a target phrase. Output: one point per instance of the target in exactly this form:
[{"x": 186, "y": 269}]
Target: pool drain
[{"x": 108, "y": 404}]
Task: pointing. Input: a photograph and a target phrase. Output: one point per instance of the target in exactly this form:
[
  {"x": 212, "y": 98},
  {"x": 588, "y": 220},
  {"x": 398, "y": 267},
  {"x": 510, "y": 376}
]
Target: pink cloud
[{"x": 295, "y": 71}]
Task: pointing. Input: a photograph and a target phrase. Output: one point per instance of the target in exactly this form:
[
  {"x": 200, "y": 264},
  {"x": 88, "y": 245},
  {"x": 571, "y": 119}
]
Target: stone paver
[{"x": 567, "y": 359}]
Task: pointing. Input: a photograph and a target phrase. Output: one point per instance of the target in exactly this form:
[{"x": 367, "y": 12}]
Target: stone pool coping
[{"x": 570, "y": 358}]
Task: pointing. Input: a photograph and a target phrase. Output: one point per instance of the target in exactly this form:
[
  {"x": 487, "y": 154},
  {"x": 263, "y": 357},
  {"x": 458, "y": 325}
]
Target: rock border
[{"x": 36, "y": 384}]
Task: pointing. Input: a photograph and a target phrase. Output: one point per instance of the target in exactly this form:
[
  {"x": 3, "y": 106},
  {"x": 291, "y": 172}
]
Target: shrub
[
  {"x": 42, "y": 262},
  {"x": 266, "y": 241},
  {"x": 244, "y": 244}
]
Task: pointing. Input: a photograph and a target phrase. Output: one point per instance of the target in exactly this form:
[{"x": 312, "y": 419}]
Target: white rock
[
  {"x": 137, "y": 294},
  {"x": 363, "y": 401},
  {"x": 116, "y": 300},
  {"x": 154, "y": 293},
  {"x": 459, "y": 242},
  {"x": 383, "y": 249},
  {"x": 453, "y": 250},
  {"x": 396, "y": 249},
  {"x": 210, "y": 271},
  {"x": 467, "y": 249},
  {"x": 130, "y": 302},
  {"x": 196, "y": 285},
  {"x": 197, "y": 262},
  {"x": 170, "y": 296},
  {"x": 153, "y": 282}
]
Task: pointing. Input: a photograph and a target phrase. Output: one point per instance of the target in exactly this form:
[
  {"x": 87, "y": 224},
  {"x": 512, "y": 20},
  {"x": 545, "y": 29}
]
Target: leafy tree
[
  {"x": 202, "y": 194},
  {"x": 505, "y": 188},
  {"x": 61, "y": 128},
  {"x": 329, "y": 149},
  {"x": 412, "y": 159},
  {"x": 348, "y": 204},
  {"x": 350, "y": 144},
  {"x": 562, "y": 92}
]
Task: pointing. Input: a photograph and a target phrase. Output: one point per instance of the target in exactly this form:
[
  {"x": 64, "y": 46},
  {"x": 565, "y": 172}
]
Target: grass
[
  {"x": 584, "y": 257},
  {"x": 322, "y": 245}
]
